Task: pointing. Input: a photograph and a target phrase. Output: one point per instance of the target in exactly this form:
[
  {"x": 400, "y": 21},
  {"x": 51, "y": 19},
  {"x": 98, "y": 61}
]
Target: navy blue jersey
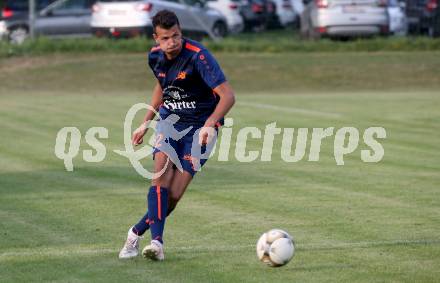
[{"x": 187, "y": 82}]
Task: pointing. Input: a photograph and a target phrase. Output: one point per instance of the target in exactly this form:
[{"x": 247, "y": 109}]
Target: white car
[
  {"x": 131, "y": 18},
  {"x": 346, "y": 18},
  {"x": 285, "y": 13},
  {"x": 231, "y": 10},
  {"x": 298, "y": 6},
  {"x": 397, "y": 16}
]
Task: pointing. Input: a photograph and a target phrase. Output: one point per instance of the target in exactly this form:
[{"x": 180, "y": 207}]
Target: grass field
[{"x": 361, "y": 222}]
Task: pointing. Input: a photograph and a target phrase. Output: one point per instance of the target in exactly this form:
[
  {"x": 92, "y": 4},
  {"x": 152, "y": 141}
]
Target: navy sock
[
  {"x": 157, "y": 211},
  {"x": 142, "y": 226}
]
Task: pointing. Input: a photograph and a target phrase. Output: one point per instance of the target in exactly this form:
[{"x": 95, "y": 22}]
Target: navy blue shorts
[{"x": 180, "y": 144}]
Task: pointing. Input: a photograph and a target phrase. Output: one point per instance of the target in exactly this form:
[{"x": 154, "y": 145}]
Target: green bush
[
  {"x": 278, "y": 41},
  {"x": 44, "y": 45},
  {"x": 290, "y": 42}
]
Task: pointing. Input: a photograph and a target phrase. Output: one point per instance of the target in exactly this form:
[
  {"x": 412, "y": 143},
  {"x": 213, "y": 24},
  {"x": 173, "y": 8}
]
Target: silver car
[
  {"x": 126, "y": 18},
  {"x": 344, "y": 18},
  {"x": 54, "y": 18}
]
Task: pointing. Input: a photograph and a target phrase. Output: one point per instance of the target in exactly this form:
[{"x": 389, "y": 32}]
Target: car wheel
[
  {"x": 220, "y": 29},
  {"x": 18, "y": 35}
]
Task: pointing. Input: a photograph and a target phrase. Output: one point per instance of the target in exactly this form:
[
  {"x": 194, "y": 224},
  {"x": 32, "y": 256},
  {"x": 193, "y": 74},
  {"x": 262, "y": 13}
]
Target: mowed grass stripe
[
  {"x": 340, "y": 214},
  {"x": 81, "y": 250},
  {"x": 295, "y": 72}
]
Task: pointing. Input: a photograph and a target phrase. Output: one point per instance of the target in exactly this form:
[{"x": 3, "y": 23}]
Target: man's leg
[
  {"x": 131, "y": 246},
  {"x": 164, "y": 181},
  {"x": 179, "y": 183},
  {"x": 158, "y": 206},
  {"x": 181, "y": 180},
  {"x": 158, "y": 195},
  {"x": 177, "y": 187}
]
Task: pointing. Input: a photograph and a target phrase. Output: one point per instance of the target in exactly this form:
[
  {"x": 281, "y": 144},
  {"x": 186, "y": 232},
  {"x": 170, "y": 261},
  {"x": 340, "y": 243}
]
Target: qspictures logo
[{"x": 345, "y": 141}]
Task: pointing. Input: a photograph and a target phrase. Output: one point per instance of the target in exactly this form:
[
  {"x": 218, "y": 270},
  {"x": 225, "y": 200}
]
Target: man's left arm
[
  {"x": 213, "y": 76},
  {"x": 227, "y": 100}
]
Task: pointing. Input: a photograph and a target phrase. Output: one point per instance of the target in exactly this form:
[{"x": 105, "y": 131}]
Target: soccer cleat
[
  {"x": 154, "y": 251},
  {"x": 131, "y": 246}
]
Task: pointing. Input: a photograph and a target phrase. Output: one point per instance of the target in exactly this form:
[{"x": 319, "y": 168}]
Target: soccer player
[{"x": 192, "y": 96}]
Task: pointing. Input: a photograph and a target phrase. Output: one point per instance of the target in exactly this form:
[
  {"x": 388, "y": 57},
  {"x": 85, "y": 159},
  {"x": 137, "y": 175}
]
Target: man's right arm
[{"x": 156, "y": 101}]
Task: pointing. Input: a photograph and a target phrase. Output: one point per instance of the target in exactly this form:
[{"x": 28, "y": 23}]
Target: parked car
[
  {"x": 131, "y": 18},
  {"x": 344, "y": 18},
  {"x": 284, "y": 12},
  {"x": 298, "y": 6},
  {"x": 423, "y": 17},
  {"x": 397, "y": 17},
  {"x": 298, "y": 9},
  {"x": 272, "y": 20},
  {"x": 231, "y": 10},
  {"x": 54, "y": 18},
  {"x": 257, "y": 14},
  {"x": 434, "y": 31}
]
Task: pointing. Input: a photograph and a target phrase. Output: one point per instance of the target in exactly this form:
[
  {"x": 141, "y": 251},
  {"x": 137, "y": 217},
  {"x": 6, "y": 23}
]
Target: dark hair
[{"x": 165, "y": 19}]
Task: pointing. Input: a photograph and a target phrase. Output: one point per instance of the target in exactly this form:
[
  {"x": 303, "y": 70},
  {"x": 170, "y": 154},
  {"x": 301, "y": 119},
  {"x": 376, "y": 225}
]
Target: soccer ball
[{"x": 275, "y": 248}]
